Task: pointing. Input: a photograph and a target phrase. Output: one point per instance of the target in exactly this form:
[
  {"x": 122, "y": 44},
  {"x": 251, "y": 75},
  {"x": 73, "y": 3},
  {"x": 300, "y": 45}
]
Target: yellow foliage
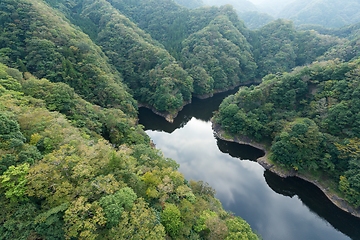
[
  {"x": 82, "y": 219},
  {"x": 351, "y": 149},
  {"x": 34, "y": 139}
]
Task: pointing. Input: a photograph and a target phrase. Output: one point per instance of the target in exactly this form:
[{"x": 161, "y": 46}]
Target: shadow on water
[
  {"x": 309, "y": 194},
  {"x": 239, "y": 150},
  {"x": 316, "y": 201},
  {"x": 201, "y": 109}
]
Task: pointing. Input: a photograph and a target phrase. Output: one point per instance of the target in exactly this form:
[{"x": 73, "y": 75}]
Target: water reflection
[
  {"x": 201, "y": 109},
  {"x": 316, "y": 201},
  {"x": 239, "y": 150},
  {"x": 277, "y": 208}
]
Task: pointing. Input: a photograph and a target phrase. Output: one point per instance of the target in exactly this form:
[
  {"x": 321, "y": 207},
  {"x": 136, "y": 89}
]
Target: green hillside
[
  {"x": 278, "y": 47},
  {"x": 309, "y": 120},
  {"x": 37, "y": 39},
  {"x": 254, "y": 19},
  {"x": 75, "y": 163},
  {"x": 60, "y": 179}
]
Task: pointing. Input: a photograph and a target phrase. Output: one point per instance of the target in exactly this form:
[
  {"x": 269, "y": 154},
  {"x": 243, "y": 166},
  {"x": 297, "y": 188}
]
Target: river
[{"x": 276, "y": 208}]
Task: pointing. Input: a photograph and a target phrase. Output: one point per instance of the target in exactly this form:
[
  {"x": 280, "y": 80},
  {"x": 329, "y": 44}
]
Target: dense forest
[
  {"x": 60, "y": 178},
  {"x": 168, "y": 55},
  {"x": 74, "y": 162},
  {"x": 309, "y": 118}
]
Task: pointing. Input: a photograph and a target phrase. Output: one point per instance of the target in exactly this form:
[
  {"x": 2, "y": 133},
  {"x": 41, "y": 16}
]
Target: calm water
[{"x": 276, "y": 208}]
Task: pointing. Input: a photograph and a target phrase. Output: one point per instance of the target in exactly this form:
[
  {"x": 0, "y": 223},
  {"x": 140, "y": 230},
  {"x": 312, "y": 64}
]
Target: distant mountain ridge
[
  {"x": 239, "y": 5},
  {"x": 190, "y": 3},
  {"x": 328, "y": 13}
]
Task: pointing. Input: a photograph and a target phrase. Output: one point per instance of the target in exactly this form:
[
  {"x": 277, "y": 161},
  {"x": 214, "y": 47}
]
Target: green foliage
[
  {"x": 18, "y": 223},
  {"x": 149, "y": 70},
  {"x": 202, "y": 189},
  {"x": 351, "y": 195},
  {"x": 171, "y": 220},
  {"x": 86, "y": 187},
  {"x": 60, "y": 53},
  {"x": 112, "y": 124},
  {"x": 201, "y": 222},
  {"x": 300, "y": 145},
  {"x": 10, "y": 78},
  {"x": 349, "y": 184},
  {"x": 239, "y": 229},
  {"x": 13, "y": 182},
  {"x": 310, "y": 116},
  {"x": 211, "y": 43},
  {"x": 221, "y": 51},
  {"x": 50, "y": 223},
  {"x": 115, "y": 204},
  {"x": 82, "y": 186},
  {"x": 10, "y": 131},
  {"x": 79, "y": 223},
  {"x": 278, "y": 47},
  {"x": 254, "y": 19},
  {"x": 140, "y": 223}
]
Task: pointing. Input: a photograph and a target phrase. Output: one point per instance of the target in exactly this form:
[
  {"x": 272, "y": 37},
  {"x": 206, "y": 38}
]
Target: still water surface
[{"x": 276, "y": 208}]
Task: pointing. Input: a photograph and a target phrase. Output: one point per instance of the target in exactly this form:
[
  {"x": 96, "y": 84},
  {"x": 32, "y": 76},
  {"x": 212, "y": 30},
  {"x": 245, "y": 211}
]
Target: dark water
[{"x": 276, "y": 208}]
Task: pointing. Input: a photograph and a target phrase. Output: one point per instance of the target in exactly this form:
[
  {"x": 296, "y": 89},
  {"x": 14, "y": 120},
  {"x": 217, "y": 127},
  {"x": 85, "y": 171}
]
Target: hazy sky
[
  {"x": 272, "y": 7},
  {"x": 267, "y": 2}
]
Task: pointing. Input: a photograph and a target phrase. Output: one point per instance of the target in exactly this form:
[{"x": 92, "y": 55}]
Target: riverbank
[
  {"x": 170, "y": 116},
  {"x": 167, "y": 115},
  {"x": 216, "y": 91},
  {"x": 282, "y": 172}
]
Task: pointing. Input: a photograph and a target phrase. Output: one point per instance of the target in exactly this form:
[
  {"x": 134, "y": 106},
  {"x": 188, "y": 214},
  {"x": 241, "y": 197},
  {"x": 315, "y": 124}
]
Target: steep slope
[
  {"x": 63, "y": 182},
  {"x": 38, "y": 39},
  {"x": 149, "y": 70},
  {"x": 222, "y": 53},
  {"x": 310, "y": 120},
  {"x": 278, "y": 47},
  {"x": 166, "y": 21},
  {"x": 227, "y": 61}
]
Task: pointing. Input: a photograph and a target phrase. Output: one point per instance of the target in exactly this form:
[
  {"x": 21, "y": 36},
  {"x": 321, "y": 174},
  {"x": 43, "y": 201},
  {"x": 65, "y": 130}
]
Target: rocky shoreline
[{"x": 284, "y": 173}]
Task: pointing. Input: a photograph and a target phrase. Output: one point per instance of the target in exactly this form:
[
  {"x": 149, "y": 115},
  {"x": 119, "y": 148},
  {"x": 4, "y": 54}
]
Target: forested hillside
[
  {"x": 254, "y": 19},
  {"x": 309, "y": 117},
  {"x": 278, "y": 47},
  {"x": 37, "y": 39},
  {"x": 151, "y": 73},
  {"x": 184, "y": 51},
  {"x": 74, "y": 163},
  {"x": 219, "y": 52},
  {"x": 60, "y": 179}
]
